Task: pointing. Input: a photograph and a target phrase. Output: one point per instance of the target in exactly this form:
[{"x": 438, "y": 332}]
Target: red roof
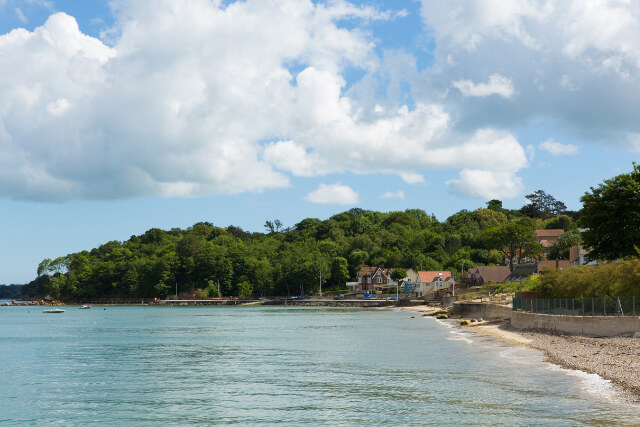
[{"x": 430, "y": 276}]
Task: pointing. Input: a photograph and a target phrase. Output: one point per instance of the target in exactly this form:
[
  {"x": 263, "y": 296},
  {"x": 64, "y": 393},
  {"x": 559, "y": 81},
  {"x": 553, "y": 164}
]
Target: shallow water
[{"x": 267, "y": 365}]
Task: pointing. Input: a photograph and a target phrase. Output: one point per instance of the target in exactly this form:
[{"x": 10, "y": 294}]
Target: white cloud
[
  {"x": 393, "y": 195},
  {"x": 497, "y": 85},
  {"x": 20, "y": 15},
  {"x": 558, "y": 149},
  {"x": 412, "y": 178},
  {"x": 336, "y": 194},
  {"x": 486, "y": 184},
  {"x": 210, "y": 97},
  {"x": 574, "y": 63},
  {"x": 147, "y": 116}
]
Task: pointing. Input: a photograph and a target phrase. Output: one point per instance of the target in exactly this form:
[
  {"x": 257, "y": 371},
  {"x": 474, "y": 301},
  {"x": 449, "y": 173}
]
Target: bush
[
  {"x": 611, "y": 279},
  {"x": 442, "y": 316},
  {"x": 201, "y": 294},
  {"x": 464, "y": 323}
]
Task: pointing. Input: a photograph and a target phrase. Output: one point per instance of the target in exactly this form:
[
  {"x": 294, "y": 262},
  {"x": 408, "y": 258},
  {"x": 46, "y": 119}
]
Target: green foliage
[
  {"x": 611, "y": 214},
  {"x": 542, "y": 205},
  {"x": 515, "y": 239},
  {"x": 245, "y": 289},
  {"x": 610, "y": 279},
  {"x": 230, "y": 261},
  {"x": 398, "y": 274},
  {"x": 566, "y": 240}
]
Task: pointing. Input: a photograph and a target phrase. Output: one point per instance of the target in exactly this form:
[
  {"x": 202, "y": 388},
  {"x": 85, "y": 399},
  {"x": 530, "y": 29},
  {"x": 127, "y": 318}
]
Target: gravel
[{"x": 616, "y": 358}]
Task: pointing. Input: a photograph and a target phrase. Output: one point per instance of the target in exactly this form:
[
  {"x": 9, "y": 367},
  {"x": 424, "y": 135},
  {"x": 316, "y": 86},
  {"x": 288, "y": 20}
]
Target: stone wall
[
  {"x": 599, "y": 326},
  {"x": 481, "y": 310}
]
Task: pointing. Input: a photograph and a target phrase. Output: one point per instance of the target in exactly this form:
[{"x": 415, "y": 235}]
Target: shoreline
[{"x": 616, "y": 359}]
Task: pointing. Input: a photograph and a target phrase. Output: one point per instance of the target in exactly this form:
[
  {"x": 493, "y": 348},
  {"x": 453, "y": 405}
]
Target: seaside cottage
[
  {"x": 377, "y": 278},
  {"x": 430, "y": 282},
  {"x": 480, "y": 275}
]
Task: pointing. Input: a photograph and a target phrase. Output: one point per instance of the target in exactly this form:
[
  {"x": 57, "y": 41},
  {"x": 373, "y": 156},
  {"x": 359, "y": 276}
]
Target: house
[
  {"x": 411, "y": 280},
  {"x": 373, "y": 278},
  {"x": 432, "y": 281},
  {"x": 377, "y": 278},
  {"x": 522, "y": 271},
  {"x": 483, "y": 274},
  {"x": 548, "y": 237}
]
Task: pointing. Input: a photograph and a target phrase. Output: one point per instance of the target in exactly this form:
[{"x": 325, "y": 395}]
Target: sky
[{"x": 120, "y": 116}]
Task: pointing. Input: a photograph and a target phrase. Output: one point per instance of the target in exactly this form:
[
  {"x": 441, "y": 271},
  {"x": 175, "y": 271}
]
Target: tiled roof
[
  {"x": 554, "y": 232},
  {"x": 551, "y": 263},
  {"x": 430, "y": 276},
  {"x": 496, "y": 273}
]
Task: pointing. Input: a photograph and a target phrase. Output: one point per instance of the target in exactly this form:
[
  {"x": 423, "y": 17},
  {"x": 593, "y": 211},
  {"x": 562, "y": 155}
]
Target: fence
[{"x": 601, "y": 306}]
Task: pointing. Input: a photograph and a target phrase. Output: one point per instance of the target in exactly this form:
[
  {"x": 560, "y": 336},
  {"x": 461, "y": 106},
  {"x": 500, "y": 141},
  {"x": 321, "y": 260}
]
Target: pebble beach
[
  {"x": 616, "y": 359},
  {"x": 613, "y": 358}
]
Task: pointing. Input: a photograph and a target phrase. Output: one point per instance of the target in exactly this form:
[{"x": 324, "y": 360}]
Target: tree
[
  {"x": 611, "y": 215},
  {"x": 339, "y": 271},
  {"x": 515, "y": 239},
  {"x": 566, "y": 240},
  {"x": 542, "y": 205},
  {"x": 495, "y": 205},
  {"x": 274, "y": 226},
  {"x": 398, "y": 274}
]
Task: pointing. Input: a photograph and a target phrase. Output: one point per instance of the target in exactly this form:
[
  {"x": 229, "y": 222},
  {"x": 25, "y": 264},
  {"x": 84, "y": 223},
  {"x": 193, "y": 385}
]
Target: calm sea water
[{"x": 267, "y": 365}]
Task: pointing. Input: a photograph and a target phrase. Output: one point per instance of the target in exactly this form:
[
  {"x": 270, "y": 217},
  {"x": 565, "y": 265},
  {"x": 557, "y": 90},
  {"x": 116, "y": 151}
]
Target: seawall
[
  {"x": 482, "y": 310},
  {"x": 599, "y": 326}
]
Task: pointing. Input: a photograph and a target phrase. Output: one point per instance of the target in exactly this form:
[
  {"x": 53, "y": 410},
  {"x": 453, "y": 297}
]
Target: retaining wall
[
  {"x": 599, "y": 326},
  {"x": 482, "y": 310}
]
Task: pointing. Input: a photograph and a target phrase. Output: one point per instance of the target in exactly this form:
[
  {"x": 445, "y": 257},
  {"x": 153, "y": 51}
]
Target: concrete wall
[
  {"x": 481, "y": 310},
  {"x": 595, "y": 326}
]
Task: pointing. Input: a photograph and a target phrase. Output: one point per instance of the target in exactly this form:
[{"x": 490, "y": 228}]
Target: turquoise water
[{"x": 268, "y": 365}]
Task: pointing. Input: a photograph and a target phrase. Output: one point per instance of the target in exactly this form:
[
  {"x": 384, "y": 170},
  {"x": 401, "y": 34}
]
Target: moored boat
[
  {"x": 84, "y": 307},
  {"x": 54, "y": 310}
]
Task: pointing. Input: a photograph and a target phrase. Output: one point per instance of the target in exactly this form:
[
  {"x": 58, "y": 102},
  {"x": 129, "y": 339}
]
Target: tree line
[{"x": 226, "y": 261}]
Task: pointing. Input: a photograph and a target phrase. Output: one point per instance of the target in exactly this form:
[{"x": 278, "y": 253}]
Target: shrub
[
  {"x": 464, "y": 323},
  {"x": 442, "y": 316}
]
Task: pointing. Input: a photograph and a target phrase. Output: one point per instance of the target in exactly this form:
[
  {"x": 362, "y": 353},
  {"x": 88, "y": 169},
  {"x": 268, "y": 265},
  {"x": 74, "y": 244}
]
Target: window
[{"x": 379, "y": 279}]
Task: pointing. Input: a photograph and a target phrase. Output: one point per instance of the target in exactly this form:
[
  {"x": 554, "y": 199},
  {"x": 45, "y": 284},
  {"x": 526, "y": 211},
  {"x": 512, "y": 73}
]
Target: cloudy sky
[{"x": 118, "y": 116}]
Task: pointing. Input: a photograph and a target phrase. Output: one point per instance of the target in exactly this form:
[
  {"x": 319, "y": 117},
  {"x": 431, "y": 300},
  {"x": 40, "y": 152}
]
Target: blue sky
[{"x": 116, "y": 117}]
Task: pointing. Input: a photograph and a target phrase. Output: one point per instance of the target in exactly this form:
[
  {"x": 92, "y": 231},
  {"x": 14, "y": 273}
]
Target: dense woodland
[
  {"x": 289, "y": 261},
  {"x": 226, "y": 261}
]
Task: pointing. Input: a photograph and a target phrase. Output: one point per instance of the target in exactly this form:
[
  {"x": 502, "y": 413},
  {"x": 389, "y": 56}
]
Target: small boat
[
  {"x": 54, "y": 310},
  {"x": 84, "y": 307}
]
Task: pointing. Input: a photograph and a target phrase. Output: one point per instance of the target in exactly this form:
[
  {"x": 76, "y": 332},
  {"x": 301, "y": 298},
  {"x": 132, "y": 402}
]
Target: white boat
[
  {"x": 84, "y": 307},
  {"x": 54, "y": 310}
]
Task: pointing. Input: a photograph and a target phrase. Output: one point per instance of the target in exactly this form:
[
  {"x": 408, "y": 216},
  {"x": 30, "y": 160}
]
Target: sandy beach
[{"x": 616, "y": 358}]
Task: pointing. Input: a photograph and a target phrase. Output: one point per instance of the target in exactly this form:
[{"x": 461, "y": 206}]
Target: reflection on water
[{"x": 253, "y": 365}]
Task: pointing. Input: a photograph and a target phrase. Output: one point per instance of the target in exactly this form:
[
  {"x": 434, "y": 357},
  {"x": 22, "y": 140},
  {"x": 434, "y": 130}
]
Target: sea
[{"x": 150, "y": 365}]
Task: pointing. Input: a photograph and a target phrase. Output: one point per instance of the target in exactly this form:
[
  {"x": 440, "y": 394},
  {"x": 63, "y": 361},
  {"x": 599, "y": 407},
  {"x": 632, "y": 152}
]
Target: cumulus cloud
[
  {"x": 497, "y": 85},
  {"x": 412, "y": 178},
  {"x": 336, "y": 194},
  {"x": 573, "y": 62},
  {"x": 393, "y": 195},
  {"x": 201, "y": 97},
  {"x": 486, "y": 185},
  {"x": 558, "y": 149}
]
